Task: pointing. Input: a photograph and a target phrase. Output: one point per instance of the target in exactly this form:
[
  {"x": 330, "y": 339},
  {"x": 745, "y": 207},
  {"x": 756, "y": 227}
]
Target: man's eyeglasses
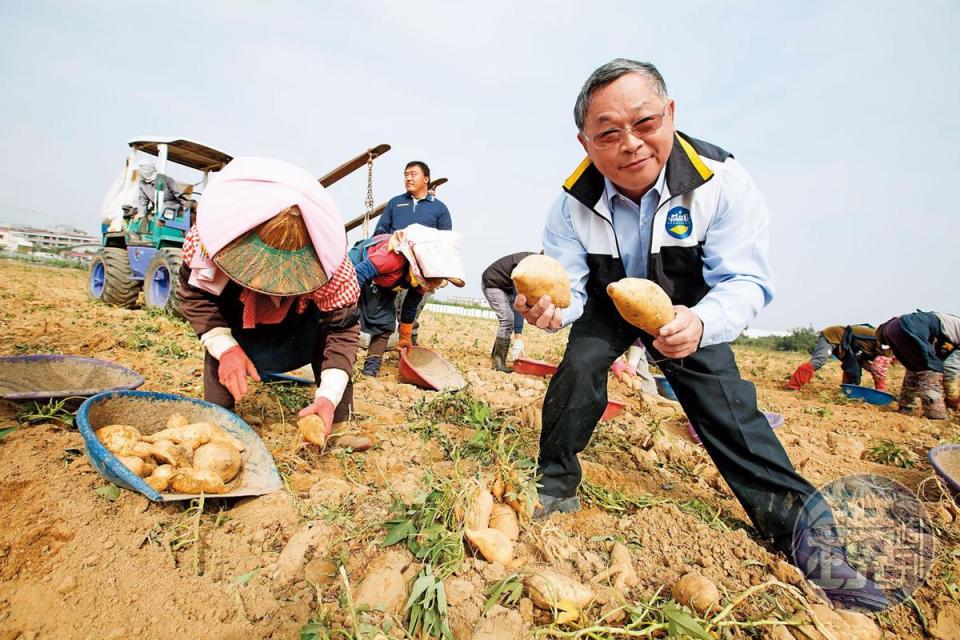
[{"x": 614, "y": 137}]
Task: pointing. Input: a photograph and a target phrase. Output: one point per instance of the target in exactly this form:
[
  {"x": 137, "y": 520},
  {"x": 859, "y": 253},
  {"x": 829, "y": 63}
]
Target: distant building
[
  {"x": 14, "y": 242},
  {"x": 48, "y": 239}
]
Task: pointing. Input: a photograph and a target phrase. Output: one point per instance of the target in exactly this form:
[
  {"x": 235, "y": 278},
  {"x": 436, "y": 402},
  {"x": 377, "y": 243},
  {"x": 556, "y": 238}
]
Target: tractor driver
[{"x": 147, "y": 196}]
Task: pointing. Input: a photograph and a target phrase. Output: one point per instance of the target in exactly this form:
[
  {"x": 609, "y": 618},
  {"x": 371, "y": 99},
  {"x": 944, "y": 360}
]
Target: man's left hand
[
  {"x": 323, "y": 408},
  {"x": 681, "y": 336}
]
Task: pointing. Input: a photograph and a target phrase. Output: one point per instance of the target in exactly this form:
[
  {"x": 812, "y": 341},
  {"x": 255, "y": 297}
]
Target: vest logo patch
[{"x": 679, "y": 224}]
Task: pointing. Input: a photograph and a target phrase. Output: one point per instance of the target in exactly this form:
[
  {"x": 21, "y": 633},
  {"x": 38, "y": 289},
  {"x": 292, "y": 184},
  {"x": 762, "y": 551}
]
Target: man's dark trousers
[{"x": 721, "y": 406}]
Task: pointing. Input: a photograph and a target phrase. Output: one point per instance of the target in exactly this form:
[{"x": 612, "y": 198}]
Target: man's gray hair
[{"x": 609, "y": 72}]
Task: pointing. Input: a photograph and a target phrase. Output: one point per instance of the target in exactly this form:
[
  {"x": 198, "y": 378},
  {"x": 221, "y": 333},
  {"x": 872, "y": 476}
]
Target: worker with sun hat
[{"x": 267, "y": 285}]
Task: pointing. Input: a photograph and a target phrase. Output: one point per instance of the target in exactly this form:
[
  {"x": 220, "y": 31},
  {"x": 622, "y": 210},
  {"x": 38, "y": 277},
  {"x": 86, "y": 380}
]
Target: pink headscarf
[{"x": 247, "y": 193}]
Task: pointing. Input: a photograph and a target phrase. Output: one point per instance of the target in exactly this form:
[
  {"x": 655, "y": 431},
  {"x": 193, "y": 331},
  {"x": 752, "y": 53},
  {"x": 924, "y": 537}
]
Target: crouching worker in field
[
  {"x": 267, "y": 285},
  {"x": 417, "y": 259},
  {"x": 499, "y": 290},
  {"x": 927, "y": 344},
  {"x": 857, "y": 348}
]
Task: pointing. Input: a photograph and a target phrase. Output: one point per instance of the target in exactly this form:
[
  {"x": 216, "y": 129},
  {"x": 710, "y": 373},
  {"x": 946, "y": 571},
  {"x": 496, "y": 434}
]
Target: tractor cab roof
[{"x": 183, "y": 151}]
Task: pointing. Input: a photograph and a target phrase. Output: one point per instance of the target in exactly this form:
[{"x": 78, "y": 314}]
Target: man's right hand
[
  {"x": 235, "y": 366},
  {"x": 543, "y": 314}
]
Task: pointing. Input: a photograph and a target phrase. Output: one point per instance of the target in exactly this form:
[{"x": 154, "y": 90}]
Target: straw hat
[{"x": 276, "y": 258}]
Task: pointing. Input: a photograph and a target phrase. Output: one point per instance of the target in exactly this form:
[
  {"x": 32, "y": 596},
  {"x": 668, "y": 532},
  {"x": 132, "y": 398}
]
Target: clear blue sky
[{"x": 845, "y": 114}]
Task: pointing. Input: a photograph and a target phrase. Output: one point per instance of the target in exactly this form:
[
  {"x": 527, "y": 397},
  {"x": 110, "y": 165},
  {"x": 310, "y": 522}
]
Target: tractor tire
[
  {"x": 111, "y": 278},
  {"x": 161, "y": 281}
]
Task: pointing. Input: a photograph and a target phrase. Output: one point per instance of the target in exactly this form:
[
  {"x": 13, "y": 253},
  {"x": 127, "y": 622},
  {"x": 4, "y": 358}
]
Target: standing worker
[
  {"x": 417, "y": 205},
  {"x": 652, "y": 202},
  {"x": 857, "y": 348},
  {"x": 499, "y": 290},
  {"x": 267, "y": 285},
  {"x": 927, "y": 344}
]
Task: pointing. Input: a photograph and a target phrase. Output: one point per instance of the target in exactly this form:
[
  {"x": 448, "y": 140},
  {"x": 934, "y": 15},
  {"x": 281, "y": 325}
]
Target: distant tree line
[{"x": 800, "y": 339}]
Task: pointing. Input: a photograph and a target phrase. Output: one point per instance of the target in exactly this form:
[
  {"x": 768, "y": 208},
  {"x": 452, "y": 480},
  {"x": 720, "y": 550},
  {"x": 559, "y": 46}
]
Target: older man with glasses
[{"x": 651, "y": 202}]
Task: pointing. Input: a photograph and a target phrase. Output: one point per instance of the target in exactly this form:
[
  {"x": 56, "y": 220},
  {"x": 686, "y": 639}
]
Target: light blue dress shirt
[{"x": 632, "y": 224}]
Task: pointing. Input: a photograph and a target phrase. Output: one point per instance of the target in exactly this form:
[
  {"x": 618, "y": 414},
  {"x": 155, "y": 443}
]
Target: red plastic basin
[
  {"x": 614, "y": 407},
  {"x": 531, "y": 367},
  {"x": 427, "y": 369}
]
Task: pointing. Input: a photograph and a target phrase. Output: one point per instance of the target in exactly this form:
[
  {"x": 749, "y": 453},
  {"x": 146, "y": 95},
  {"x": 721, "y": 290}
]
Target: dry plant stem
[
  {"x": 643, "y": 616},
  {"x": 240, "y": 607},
  {"x": 595, "y": 632},
  {"x": 791, "y": 592},
  {"x": 349, "y": 593},
  {"x": 716, "y": 622},
  {"x": 198, "y": 541}
]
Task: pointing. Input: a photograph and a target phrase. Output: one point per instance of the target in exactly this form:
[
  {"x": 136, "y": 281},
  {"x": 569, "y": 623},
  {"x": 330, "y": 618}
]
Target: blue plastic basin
[
  {"x": 148, "y": 412},
  {"x": 867, "y": 394},
  {"x": 664, "y": 388}
]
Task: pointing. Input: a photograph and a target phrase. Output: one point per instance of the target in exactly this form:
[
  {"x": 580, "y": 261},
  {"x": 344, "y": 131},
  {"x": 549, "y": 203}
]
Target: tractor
[{"x": 144, "y": 221}]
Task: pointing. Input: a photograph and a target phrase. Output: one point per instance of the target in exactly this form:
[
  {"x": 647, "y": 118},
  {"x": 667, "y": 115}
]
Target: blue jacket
[{"x": 403, "y": 211}]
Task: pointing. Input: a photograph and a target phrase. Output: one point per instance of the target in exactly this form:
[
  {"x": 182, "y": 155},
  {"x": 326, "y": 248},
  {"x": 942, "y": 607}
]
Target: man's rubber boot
[
  {"x": 500, "y": 349},
  {"x": 371, "y": 366},
  {"x": 931, "y": 395},
  {"x": 909, "y": 391},
  {"x": 549, "y": 504},
  {"x": 800, "y": 377}
]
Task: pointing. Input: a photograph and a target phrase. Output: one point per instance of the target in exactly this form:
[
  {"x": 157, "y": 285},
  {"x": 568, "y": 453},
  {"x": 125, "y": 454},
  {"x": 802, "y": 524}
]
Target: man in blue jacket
[
  {"x": 417, "y": 205},
  {"x": 651, "y": 202}
]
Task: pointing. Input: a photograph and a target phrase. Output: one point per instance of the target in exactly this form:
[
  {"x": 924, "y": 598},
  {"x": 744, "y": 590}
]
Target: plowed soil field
[{"x": 313, "y": 560}]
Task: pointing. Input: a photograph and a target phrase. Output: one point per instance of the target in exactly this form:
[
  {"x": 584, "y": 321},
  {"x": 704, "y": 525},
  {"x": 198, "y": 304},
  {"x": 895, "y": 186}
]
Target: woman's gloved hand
[
  {"x": 406, "y": 335},
  {"x": 234, "y": 368},
  {"x": 623, "y": 371},
  {"x": 321, "y": 407}
]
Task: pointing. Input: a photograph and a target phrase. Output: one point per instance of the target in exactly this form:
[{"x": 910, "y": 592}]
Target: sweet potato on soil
[
  {"x": 493, "y": 545},
  {"x": 167, "y": 452},
  {"x": 161, "y": 477},
  {"x": 135, "y": 464},
  {"x": 479, "y": 510},
  {"x": 620, "y": 570},
  {"x": 195, "y": 481},
  {"x": 697, "y": 592},
  {"x": 547, "y": 589},
  {"x": 177, "y": 420},
  {"x": 199, "y": 432},
  {"x": 118, "y": 437},
  {"x": 313, "y": 429},
  {"x": 503, "y": 518},
  {"x": 219, "y": 457}
]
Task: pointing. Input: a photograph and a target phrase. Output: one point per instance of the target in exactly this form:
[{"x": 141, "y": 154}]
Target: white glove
[{"x": 516, "y": 350}]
